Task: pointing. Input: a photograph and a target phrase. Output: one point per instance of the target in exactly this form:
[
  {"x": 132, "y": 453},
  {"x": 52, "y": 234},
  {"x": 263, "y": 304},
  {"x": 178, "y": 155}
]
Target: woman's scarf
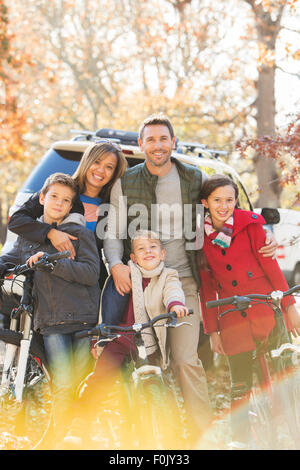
[
  {"x": 140, "y": 314},
  {"x": 221, "y": 237}
]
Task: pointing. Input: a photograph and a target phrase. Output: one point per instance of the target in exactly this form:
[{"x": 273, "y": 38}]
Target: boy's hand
[
  {"x": 34, "y": 258},
  {"x": 269, "y": 249},
  {"x": 180, "y": 310},
  {"x": 62, "y": 241}
]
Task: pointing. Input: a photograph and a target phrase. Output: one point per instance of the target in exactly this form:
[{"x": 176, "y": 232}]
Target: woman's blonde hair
[{"x": 95, "y": 152}]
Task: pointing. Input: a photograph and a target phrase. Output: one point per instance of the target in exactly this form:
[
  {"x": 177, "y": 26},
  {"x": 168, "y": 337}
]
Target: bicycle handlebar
[
  {"x": 45, "y": 260},
  {"x": 243, "y": 301},
  {"x": 105, "y": 330}
]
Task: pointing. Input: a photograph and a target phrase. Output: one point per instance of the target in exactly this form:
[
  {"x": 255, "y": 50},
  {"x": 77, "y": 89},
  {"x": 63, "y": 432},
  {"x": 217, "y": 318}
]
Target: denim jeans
[{"x": 70, "y": 361}]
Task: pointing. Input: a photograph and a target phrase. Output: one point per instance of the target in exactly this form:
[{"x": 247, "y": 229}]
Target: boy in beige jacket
[{"x": 155, "y": 290}]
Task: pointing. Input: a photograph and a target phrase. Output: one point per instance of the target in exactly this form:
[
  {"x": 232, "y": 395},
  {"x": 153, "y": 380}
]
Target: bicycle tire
[
  {"x": 287, "y": 394},
  {"x": 264, "y": 436},
  {"x": 23, "y": 425},
  {"x": 159, "y": 425}
]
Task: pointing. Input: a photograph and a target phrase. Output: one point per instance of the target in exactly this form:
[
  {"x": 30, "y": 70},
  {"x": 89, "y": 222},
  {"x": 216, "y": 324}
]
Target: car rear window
[{"x": 53, "y": 161}]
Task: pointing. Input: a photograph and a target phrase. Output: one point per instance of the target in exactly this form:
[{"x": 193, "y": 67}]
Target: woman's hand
[
  {"x": 62, "y": 241},
  {"x": 216, "y": 343}
]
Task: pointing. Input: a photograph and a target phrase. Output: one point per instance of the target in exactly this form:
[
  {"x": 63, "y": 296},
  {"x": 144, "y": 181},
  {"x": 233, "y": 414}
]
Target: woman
[
  {"x": 231, "y": 264},
  {"x": 100, "y": 166}
]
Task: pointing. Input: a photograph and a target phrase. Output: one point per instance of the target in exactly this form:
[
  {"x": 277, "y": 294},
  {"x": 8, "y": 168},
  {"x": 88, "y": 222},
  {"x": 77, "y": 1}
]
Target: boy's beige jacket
[{"x": 163, "y": 289}]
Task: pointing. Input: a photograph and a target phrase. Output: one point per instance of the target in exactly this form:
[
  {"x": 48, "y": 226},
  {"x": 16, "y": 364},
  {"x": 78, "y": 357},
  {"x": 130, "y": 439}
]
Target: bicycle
[
  {"x": 25, "y": 389},
  {"x": 153, "y": 415},
  {"x": 274, "y": 399}
]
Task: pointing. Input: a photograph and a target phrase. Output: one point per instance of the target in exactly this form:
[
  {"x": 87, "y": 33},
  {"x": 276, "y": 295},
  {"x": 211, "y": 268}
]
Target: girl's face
[
  {"x": 99, "y": 174},
  {"x": 220, "y": 203}
]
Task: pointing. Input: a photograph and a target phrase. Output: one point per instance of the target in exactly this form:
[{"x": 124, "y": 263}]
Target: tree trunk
[
  {"x": 268, "y": 182},
  {"x": 268, "y": 25}
]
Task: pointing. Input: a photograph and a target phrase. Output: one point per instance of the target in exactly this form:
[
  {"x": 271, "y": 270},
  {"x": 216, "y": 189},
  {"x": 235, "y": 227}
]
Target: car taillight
[{"x": 280, "y": 252}]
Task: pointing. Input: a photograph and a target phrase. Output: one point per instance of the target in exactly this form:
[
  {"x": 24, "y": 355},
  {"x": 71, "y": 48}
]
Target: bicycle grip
[
  {"x": 58, "y": 255},
  {"x": 84, "y": 333},
  {"x": 220, "y": 302}
]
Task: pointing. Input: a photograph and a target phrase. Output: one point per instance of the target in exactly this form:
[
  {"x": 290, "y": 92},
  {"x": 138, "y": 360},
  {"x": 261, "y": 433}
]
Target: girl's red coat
[{"x": 239, "y": 270}]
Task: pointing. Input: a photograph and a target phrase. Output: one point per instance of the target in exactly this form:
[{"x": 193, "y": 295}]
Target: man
[{"x": 153, "y": 186}]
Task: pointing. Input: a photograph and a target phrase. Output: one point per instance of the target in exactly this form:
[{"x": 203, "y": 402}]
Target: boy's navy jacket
[{"x": 68, "y": 297}]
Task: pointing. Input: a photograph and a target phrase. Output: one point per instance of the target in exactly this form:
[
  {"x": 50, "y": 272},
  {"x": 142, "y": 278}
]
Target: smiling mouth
[{"x": 97, "y": 177}]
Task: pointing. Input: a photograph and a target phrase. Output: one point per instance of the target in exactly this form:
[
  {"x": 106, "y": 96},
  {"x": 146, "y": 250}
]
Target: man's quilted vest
[{"x": 139, "y": 185}]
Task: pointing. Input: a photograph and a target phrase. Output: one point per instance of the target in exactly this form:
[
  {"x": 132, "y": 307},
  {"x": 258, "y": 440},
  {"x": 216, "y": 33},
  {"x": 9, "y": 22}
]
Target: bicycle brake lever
[{"x": 179, "y": 324}]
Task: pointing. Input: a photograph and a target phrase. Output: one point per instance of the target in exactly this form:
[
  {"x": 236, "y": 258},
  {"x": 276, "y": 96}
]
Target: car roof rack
[{"x": 131, "y": 138}]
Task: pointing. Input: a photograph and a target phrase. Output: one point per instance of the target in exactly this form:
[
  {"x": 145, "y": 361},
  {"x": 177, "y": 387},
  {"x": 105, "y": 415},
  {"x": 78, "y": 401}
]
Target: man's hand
[
  {"x": 62, "y": 241},
  {"x": 121, "y": 277},
  {"x": 269, "y": 249}
]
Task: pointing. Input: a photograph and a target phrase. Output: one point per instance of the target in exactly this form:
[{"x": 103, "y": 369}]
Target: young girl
[{"x": 230, "y": 264}]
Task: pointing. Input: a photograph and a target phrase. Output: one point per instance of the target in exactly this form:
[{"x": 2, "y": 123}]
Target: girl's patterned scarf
[{"x": 221, "y": 238}]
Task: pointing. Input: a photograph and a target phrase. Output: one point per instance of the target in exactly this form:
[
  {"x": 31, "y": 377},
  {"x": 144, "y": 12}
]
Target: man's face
[{"x": 157, "y": 145}]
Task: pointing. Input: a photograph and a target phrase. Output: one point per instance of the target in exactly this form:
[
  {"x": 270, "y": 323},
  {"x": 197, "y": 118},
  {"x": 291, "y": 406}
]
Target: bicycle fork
[
  {"x": 23, "y": 358},
  {"x": 10, "y": 352},
  {"x": 7, "y": 379}
]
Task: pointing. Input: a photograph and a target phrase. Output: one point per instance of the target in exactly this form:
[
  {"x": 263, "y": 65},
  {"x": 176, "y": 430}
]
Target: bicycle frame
[
  {"x": 21, "y": 321},
  {"x": 279, "y": 347},
  {"x": 22, "y": 314}
]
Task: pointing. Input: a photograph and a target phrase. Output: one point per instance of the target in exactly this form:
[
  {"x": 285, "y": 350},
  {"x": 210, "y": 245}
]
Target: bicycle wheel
[
  {"x": 156, "y": 414},
  {"x": 261, "y": 420},
  {"x": 287, "y": 395},
  {"x": 23, "y": 425}
]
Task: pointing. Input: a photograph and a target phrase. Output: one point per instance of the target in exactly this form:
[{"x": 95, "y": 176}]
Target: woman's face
[
  {"x": 220, "y": 203},
  {"x": 99, "y": 174}
]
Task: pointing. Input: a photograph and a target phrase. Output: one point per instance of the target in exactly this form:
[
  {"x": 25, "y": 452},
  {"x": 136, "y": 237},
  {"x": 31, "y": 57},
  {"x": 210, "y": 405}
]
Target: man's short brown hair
[{"x": 154, "y": 120}]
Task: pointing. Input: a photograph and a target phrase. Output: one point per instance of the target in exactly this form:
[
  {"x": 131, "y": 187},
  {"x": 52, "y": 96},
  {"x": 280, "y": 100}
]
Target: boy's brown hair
[{"x": 60, "y": 178}]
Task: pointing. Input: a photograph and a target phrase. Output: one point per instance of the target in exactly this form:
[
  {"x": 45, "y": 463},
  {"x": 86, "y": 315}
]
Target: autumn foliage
[
  {"x": 12, "y": 118},
  {"x": 284, "y": 148}
]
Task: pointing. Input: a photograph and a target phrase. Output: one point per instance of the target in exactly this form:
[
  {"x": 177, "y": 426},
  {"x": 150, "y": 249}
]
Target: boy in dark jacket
[{"x": 66, "y": 299}]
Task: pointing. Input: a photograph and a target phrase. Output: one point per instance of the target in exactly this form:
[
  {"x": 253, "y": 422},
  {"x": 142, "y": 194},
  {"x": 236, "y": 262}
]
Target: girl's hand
[
  {"x": 180, "y": 310},
  {"x": 294, "y": 320},
  {"x": 34, "y": 258},
  {"x": 62, "y": 241},
  {"x": 216, "y": 343}
]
